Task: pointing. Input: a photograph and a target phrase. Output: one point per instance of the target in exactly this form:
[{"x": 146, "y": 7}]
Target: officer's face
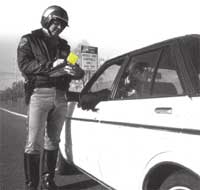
[{"x": 56, "y": 27}]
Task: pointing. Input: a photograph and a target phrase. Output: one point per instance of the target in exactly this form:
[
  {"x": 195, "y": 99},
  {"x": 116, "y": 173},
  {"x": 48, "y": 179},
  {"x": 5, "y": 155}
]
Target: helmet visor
[
  {"x": 58, "y": 22},
  {"x": 60, "y": 19}
]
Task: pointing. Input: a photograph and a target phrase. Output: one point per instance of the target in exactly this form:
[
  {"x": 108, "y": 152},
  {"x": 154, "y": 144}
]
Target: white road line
[{"x": 14, "y": 113}]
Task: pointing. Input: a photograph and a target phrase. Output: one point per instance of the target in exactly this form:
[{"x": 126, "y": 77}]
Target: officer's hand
[
  {"x": 69, "y": 69},
  {"x": 58, "y": 62}
]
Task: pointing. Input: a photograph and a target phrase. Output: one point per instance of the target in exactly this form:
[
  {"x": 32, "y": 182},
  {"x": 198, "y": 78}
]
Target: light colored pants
[{"x": 46, "y": 116}]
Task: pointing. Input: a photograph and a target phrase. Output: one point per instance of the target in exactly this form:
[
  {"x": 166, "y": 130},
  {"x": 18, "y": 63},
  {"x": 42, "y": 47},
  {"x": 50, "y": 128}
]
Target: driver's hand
[{"x": 88, "y": 101}]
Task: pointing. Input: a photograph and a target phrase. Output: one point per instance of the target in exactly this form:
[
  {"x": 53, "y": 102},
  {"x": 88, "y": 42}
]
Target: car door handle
[{"x": 163, "y": 110}]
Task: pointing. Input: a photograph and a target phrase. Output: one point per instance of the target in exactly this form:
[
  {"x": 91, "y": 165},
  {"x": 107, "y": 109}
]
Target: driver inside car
[
  {"x": 133, "y": 81},
  {"x": 133, "y": 85}
]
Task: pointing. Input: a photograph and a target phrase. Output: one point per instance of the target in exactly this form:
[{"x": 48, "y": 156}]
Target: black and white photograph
[{"x": 100, "y": 95}]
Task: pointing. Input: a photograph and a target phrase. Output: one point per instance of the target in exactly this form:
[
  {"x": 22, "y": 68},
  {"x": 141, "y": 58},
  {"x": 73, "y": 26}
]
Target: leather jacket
[{"x": 35, "y": 61}]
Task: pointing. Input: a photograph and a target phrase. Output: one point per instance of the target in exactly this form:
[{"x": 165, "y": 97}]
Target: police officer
[{"x": 37, "y": 53}]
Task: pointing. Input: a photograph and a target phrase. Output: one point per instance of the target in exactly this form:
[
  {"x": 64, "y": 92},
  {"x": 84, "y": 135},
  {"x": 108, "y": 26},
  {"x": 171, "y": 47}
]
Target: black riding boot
[
  {"x": 31, "y": 170},
  {"x": 49, "y": 160}
]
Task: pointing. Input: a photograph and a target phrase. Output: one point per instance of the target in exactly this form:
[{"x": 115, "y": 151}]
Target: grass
[{"x": 16, "y": 106}]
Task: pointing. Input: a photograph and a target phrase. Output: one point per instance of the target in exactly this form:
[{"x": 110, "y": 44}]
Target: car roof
[{"x": 189, "y": 37}]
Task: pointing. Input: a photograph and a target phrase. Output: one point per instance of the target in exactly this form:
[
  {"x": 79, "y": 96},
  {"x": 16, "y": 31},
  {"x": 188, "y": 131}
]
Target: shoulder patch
[{"x": 22, "y": 42}]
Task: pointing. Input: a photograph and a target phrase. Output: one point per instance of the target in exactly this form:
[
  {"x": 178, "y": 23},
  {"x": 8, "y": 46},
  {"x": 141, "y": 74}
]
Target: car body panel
[{"x": 121, "y": 140}]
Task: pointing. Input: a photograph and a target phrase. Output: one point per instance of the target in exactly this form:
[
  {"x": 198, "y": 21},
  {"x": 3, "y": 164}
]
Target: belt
[{"x": 47, "y": 85}]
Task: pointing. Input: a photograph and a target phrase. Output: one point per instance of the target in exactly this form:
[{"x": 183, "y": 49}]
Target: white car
[{"x": 143, "y": 136}]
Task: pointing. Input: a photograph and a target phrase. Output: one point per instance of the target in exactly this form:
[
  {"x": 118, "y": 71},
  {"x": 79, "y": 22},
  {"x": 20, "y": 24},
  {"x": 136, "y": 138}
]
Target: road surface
[{"x": 12, "y": 140}]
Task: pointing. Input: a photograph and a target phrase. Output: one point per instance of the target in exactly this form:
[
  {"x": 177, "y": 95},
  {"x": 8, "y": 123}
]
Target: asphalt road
[{"x": 12, "y": 140}]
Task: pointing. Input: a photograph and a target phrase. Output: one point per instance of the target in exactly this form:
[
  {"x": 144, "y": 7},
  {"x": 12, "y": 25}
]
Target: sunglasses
[{"x": 59, "y": 22}]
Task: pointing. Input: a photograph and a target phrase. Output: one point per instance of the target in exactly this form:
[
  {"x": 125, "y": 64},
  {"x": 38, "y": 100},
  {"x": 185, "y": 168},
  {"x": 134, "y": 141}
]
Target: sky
[{"x": 114, "y": 26}]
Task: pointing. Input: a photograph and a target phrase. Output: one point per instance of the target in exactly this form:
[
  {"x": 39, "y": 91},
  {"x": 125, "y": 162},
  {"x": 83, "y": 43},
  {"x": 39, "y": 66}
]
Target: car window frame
[
  {"x": 179, "y": 64},
  {"x": 193, "y": 83},
  {"x": 97, "y": 74}
]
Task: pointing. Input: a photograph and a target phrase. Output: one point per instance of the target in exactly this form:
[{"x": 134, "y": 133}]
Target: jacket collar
[{"x": 38, "y": 32}]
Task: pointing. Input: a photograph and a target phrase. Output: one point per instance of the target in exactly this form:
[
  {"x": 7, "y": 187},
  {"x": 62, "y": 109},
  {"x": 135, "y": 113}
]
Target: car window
[
  {"x": 107, "y": 76},
  {"x": 106, "y": 79},
  {"x": 191, "y": 49},
  {"x": 151, "y": 74},
  {"x": 167, "y": 83}
]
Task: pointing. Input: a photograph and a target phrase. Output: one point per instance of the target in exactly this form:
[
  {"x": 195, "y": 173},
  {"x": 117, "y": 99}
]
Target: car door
[
  {"x": 164, "y": 107},
  {"x": 126, "y": 131},
  {"x": 85, "y": 129}
]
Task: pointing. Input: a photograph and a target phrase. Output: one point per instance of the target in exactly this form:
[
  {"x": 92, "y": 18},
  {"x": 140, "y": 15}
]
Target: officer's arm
[{"x": 27, "y": 62}]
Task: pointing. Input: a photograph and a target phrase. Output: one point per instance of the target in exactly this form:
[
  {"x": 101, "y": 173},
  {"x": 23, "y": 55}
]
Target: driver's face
[
  {"x": 135, "y": 77},
  {"x": 136, "y": 74},
  {"x": 56, "y": 27}
]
